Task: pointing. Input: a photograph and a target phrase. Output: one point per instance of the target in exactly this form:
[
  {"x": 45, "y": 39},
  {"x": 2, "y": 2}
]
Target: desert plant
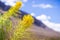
[
  {"x": 6, "y": 24},
  {"x": 22, "y": 26},
  {"x": 5, "y": 18}
]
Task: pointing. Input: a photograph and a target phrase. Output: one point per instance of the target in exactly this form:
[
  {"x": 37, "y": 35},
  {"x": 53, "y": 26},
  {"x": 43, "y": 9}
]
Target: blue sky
[
  {"x": 48, "y": 11},
  {"x": 54, "y": 12}
]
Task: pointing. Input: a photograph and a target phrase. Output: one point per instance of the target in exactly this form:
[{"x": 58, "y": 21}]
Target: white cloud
[
  {"x": 9, "y": 2},
  {"x": 43, "y": 17},
  {"x": 33, "y": 14},
  {"x": 45, "y": 20},
  {"x": 42, "y": 5},
  {"x": 22, "y": 5},
  {"x": 24, "y": 0}
]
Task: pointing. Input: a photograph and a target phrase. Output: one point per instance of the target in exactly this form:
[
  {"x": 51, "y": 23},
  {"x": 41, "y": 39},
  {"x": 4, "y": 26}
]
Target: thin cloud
[
  {"x": 33, "y": 14},
  {"x": 45, "y": 19},
  {"x": 24, "y": 0},
  {"x": 42, "y": 5},
  {"x": 9, "y": 2}
]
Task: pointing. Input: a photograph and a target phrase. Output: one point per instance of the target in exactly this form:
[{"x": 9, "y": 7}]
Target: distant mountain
[
  {"x": 39, "y": 33},
  {"x": 47, "y": 32},
  {"x": 3, "y": 6},
  {"x": 38, "y": 28},
  {"x": 36, "y": 22},
  {"x": 6, "y": 7}
]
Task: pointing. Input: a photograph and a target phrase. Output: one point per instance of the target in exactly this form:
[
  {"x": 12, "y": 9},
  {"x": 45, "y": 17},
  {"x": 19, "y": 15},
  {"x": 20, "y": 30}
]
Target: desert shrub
[{"x": 6, "y": 29}]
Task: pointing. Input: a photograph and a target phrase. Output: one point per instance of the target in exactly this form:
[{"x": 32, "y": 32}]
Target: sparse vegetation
[
  {"x": 9, "y": 31},
  {"x": 6, "y": 27}
]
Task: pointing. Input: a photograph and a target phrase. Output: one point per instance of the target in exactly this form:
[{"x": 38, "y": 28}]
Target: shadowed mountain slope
[
  {"x": 38, "y": 29},
  {"x": 21, "y": 14},
  {"x": 41, "y": 29}
]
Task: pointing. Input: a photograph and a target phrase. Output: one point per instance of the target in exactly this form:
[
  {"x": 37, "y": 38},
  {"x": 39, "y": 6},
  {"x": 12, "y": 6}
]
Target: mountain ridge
[{"x": 38, "y": 28}]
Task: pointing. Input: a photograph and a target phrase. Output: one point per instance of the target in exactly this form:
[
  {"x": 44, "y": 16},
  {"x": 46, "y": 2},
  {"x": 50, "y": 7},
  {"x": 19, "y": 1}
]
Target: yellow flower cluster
[
  {"x": 22, "y": 26},
  {"x": 10, "y": 12},
  {"x": 5, "y": 17}
]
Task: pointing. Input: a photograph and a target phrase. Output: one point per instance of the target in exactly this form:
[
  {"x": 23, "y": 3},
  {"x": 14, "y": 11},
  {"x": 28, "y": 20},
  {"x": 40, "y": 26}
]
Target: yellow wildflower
[
  {"x": 5, "y": 16},
  {"x": 22, "y": 26}
]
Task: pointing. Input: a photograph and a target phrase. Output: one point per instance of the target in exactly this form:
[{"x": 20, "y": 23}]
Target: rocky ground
[{"x": 37, "y": 33}]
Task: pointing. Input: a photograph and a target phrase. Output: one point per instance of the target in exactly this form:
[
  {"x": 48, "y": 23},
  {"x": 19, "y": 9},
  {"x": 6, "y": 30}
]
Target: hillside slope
[
  {"x": 39, "y": 33},
  {"x": 44, "y": 31}
]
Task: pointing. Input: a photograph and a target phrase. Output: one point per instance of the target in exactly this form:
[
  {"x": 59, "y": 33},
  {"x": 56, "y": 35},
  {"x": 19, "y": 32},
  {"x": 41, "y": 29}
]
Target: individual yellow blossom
[
  {"x": 11, "y": 11},
  {"x": 22, "y": 26}
]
